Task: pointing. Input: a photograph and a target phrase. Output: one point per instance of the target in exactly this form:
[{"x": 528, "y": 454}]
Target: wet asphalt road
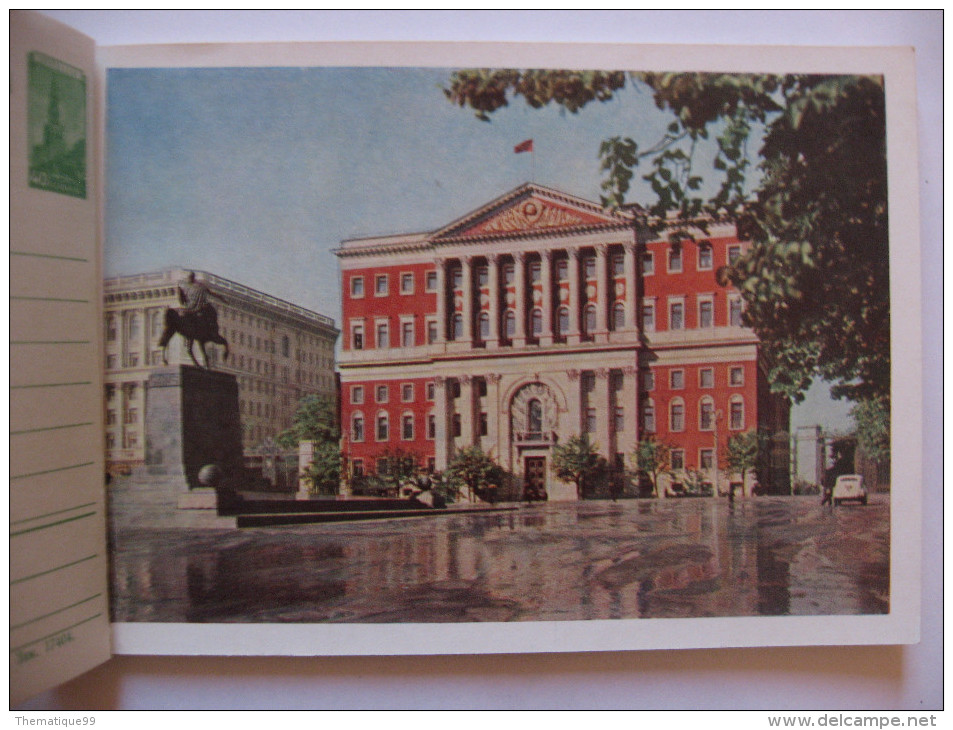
[{"x": 589, "y": 560}]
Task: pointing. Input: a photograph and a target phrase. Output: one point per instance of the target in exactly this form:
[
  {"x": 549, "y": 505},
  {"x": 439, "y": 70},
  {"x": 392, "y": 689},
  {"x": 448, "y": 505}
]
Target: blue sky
[{"x": 257, "y": 174}]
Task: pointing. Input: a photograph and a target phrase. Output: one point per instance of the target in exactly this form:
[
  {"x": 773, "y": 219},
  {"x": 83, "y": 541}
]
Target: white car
[{"x": 849, "y": 487}]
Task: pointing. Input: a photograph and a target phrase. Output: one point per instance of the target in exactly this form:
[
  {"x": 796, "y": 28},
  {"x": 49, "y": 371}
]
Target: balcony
[{"x": 534, "y": 438}]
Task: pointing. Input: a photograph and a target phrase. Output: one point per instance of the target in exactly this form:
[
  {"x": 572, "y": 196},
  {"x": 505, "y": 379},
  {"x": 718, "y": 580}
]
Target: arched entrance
[{"x": 534, "y": 428}]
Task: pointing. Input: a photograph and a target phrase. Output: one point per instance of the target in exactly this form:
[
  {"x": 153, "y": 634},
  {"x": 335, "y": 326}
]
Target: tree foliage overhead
[{"x": 813, "y": 201}]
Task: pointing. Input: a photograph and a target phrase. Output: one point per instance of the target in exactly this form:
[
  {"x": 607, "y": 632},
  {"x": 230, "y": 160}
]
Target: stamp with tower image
[{"x": 57, "y": 126}]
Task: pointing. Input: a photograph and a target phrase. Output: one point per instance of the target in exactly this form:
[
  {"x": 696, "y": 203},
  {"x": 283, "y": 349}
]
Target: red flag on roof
[{"x": 526, "y": 146}]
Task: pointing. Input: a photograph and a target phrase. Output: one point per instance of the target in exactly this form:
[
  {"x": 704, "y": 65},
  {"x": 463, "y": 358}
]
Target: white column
[
  {"x": 573, "y": 336},
  {"x": 493, "y": 265},
  {"x": 546, "y": 337},
  {"x": 602, "y": 293},
  {"x": 467, "y": 411},
  {"x": 441, "y": 411},
  {"x": 494, "y": 411},
  {"x": 601, "y": 402},
  {"x": 519, "y": 262},
  {"x": 441, "y": 301},
  {"x": 631, "y": 322},
  {"x": 630, "y": 402},
  {"x": 467, "y": 263}
]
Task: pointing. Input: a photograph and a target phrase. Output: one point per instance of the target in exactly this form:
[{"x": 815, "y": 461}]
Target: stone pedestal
[{"x": 192, "y": 421}]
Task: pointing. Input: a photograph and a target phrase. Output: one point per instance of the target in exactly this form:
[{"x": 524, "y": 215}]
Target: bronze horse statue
[{"x": 198, "y": 327}]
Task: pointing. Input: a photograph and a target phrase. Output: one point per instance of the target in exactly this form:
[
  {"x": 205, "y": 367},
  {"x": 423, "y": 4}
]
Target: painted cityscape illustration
[{"x": 457, "y": 345}]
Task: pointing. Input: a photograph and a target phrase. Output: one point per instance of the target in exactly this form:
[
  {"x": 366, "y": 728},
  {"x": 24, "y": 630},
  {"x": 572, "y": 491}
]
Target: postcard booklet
[{"x": 526, "y": 274}]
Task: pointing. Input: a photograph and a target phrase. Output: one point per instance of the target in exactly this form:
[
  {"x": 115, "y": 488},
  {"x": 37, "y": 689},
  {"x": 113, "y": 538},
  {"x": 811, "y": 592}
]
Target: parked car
[{"x": 849, "y": 487}]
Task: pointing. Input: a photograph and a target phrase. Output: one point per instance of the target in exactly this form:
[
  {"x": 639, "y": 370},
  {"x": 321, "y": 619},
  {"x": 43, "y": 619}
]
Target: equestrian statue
[{"x": 197, "y": 321}]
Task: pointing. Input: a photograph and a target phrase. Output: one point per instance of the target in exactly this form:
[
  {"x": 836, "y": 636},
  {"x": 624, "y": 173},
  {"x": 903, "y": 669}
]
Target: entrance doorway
[{"x": 535, "y": 471}]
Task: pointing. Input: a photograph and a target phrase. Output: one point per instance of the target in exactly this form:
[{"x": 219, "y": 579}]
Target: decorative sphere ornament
[{"x": 210, "y": 475}]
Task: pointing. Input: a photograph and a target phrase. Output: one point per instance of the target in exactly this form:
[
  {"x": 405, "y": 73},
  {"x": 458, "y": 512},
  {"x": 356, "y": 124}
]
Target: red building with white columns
[{"x": 540, "y": 316}]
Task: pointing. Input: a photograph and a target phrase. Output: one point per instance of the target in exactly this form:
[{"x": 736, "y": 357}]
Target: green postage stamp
[{"x": 56, "y": 98}]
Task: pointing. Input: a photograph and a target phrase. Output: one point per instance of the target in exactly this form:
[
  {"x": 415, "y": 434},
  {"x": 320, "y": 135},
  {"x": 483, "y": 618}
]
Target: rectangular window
[
  {"x": 407, "y": 427},
  {"x": 383, "y": 467},
  {"x": 407, "y": 334},
  {"x": 383, "y": 427},
  {"x": 734, "y": 312},
  {"x": 431, "y": 332},
  {"x": 407, "y": 392},
  {"x": 676, "y": 379},
  {"x": 562, "y": 270},
  {"x": 381, "y": 394},
  {"x": 590, "y": 425},
  {"x": 619, "y": 419},
  {"x": 648, "y": 417},
  {"x": 706, "y": 313},
  {"x": 706, "y": 378},
  {"x": 618, "y": 265},
  {"x": 675, "y": 259},
  {"x": 357, "y": 394},
  {"x": 704, "y": 256},
  {"x": 431, "y": 391},
  {"x": 357, "y": 467},
  {"x": 357, "y": 428},
  {"x": 406, "y": 283},
  {"x": 431, "y": 426},
  {"x": 380, "y": 285},
  {"x": 648, "y": 263},
  {"x": 357, "y": 333},
  {"x": 734, "y": 253},
  {"x": 589, "y": 265},
  {"x": 456, "y": 278},
  {"x": 509, "y": 274},
  {"x": 706, "y": 416},
  {"x": 431, "y": 281},
  {"x": 678, "y": 417},
  {"x": 737, "y": 415},
  {"x": 383, "y": 338},
  {"x": 648, "y": 316},
  {"x": 648, "y": 380},
  {"x": 676, "y": 315},
  {"x": 484, "y": 424},
  {"x": 678, "y": 459},
  {"x": 705, "y": 458},
  {"x": 483, "y": 276},
  {"x": 736, "y": 376}
]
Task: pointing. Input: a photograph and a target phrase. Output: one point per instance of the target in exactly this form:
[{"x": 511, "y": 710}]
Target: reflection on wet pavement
[{"x": 569, "y": 561}]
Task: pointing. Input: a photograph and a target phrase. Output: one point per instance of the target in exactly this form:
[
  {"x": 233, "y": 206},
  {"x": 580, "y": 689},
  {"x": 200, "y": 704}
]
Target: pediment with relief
[{"x": 526, "y": 213}]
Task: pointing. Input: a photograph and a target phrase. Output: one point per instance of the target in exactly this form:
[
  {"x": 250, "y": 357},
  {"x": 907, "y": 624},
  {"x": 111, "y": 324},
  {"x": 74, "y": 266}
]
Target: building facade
[
  {"x": 279, "y": 352},
  {"x": 541, "y": 316}
]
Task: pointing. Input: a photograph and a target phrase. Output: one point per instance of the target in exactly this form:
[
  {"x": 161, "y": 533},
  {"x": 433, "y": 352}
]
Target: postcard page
[
  {"x": 59, "y": 618},
  {"x": 308, "y": 172}
]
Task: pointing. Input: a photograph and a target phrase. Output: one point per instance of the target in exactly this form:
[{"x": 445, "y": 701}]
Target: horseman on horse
[{"x": 197, "y": 320}]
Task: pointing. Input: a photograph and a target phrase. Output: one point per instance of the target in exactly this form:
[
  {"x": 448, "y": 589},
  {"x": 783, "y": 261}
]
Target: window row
[
  {"x": 708, "y": 415},
  {"x": 408, "y": 426},
  {"x": 382, "y": 464},
  {"x": 382, "y": 393},
  {"x": 381, "y": 282},
  {"x": 706, "y": 378},
  {"x": 676, "y": 254},
  {"x": 705, "y": 313}
]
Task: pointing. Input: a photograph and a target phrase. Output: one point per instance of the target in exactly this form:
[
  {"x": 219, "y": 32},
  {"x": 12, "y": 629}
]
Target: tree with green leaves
[
  {"x": 471, "y": 467},
  {"x": 399, "y": 465},
  {"x": 813, "y": 202},
  {"x": 576, "y": 460},
  {"x": 654, "y": 458},
  {"x": 315, "y": 419},
  {"x": 872, "y": 427},
  {"x": 323, "y": 474},
  {"x": 743, "y": 453}
]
